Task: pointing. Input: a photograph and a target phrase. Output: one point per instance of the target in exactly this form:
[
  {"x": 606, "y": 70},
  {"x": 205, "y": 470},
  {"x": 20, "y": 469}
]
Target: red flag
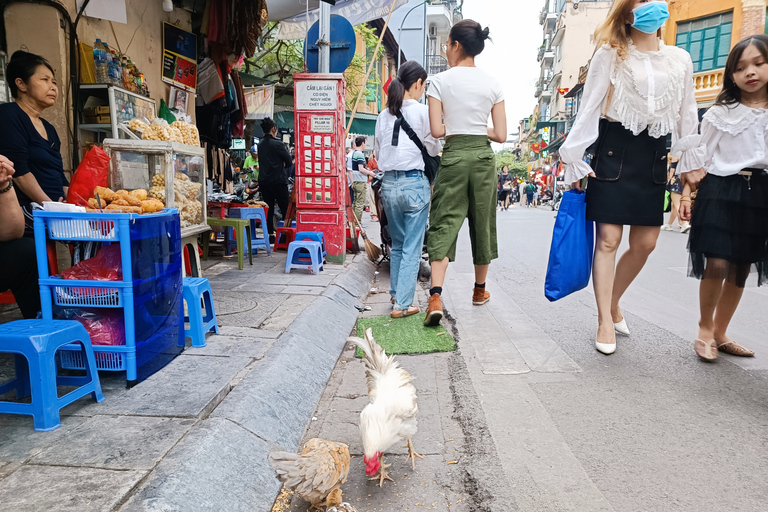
[{"x": 386, "y": 86}]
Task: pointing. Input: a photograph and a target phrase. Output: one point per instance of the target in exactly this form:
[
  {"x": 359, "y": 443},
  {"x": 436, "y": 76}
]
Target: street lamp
[{"x": 400, "y": 31}]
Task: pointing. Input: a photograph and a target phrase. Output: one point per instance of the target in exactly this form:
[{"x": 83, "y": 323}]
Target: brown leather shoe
[
  {"x": 434, "y": 311},
  {"x": 480, "y": 296}
]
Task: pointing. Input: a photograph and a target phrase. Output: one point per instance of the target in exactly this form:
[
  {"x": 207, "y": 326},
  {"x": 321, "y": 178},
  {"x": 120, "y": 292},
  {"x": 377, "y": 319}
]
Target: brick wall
[{"x": 753, "y": 17}]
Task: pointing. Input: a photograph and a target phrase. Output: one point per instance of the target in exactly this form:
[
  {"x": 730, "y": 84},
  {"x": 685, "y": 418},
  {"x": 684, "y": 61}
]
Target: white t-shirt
[
  {"x": 468, "y": 94},
  {"x": 405, "y": 156}
]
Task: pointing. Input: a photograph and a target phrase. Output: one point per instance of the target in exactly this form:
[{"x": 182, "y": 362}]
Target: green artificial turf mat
[{"x": 406, "y": 335}]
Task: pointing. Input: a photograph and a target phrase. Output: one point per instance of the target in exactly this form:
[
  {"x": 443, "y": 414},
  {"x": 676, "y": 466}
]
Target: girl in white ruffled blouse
[
  {"x": 637, "y": 92},
  {"x": 729, "y": 226}
]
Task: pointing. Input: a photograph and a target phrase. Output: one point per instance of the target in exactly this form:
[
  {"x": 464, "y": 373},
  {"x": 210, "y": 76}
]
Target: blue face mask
[{"x": 650, "y": 17}]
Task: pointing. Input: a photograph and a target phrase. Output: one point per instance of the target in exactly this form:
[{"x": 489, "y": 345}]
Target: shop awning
[
  {"x": 364, "y": 124},
  {"x": 574, "y": 90},
  {"x": 281, "y": 9}
]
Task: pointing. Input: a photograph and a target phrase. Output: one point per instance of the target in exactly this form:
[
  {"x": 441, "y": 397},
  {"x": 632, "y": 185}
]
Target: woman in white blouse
[
  {"x": 405, "y": 189},
  {"x": 637, "y": 92}
]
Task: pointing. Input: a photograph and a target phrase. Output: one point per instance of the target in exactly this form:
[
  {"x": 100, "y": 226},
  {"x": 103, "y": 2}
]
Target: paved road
[{"x": 540, "y": 421}]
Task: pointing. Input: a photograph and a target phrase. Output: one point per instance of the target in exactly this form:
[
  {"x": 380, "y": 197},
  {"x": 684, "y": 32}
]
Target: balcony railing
[
  {"x": 708, "y": 83},
  {"x": 436, "y": 64}
]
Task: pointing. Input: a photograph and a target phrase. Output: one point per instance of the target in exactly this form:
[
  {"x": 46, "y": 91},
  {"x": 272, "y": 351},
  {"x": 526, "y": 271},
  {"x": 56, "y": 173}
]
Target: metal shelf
[{"x": 96, "y": 127}]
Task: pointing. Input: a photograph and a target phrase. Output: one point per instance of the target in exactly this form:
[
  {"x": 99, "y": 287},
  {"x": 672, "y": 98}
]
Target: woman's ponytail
[
  {"x": 410, "y": 73},
  {"x": 395, "y": 96}
]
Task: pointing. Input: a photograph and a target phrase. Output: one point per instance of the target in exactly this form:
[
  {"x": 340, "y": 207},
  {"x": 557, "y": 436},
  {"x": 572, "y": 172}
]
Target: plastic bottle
[
  {"x": 126, "y": 72},
  {"x": 100, "y": 62},
  {"x": 115, "y": 72}
]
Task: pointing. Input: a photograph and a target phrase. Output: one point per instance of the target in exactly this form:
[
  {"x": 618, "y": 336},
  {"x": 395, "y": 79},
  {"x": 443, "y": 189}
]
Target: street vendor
[
  {"x": 274, "y": 160},
  {"x": 18, "y": 266},
  {"x": 28, "y": 140},
  {"x": 251, "y": 164}
]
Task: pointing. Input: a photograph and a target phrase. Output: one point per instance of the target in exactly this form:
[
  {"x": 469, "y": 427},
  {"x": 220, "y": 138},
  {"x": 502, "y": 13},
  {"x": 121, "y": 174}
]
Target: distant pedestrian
[
  {"x": 675, "y": 189},
  {"x": 521, "y": 192},
  {"x": 530, "y": 192},
  {"x": 505, "y": 187},
  {"x": 464, "y": 96},
  {"x": 274, "y": 161},
  {"x": 729, "y": 225},
  {"x": 405, "y": 189},
  {"x": 637, "y": 92},
  {"x": 360, "y": 175}
]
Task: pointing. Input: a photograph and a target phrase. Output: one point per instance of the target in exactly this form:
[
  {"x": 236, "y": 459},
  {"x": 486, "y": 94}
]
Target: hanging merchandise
[{"x": 245, "y": 26}]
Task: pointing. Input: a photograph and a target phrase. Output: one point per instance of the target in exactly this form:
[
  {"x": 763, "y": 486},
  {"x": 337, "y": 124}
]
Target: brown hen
[{"x": 321, "y": 467}]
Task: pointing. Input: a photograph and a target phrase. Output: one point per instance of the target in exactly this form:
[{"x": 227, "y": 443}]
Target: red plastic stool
[
  {"x": 7, "y": 298},
  {"x": 349, "y": 237},
  {"x": 283, "y": 242}
]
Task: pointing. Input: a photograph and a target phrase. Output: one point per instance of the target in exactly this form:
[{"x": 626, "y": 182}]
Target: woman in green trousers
[{"x": 464, "y": 97}]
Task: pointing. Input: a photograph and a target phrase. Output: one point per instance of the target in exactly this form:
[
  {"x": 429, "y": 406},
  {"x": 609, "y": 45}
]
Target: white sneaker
[
  {"x": 666, "y": 227},
  {"x": 685, "y": 227}
]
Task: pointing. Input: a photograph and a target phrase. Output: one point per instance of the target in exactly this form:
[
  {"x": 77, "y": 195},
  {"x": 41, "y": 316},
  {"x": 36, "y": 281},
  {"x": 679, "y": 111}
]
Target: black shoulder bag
[{"x": 431, "y": 163}]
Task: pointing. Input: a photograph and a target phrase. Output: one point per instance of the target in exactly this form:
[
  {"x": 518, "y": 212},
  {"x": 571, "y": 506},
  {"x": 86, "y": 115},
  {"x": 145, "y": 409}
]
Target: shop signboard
[
  {"x": 259, "y": 102},
  {"x": 179, "y": 57}
]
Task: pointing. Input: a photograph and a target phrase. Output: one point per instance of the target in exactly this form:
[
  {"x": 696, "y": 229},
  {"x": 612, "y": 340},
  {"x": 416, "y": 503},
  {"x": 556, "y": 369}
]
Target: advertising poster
[
  {"x": 179, "y": 57},
  {"x": 259, "y": 102}
]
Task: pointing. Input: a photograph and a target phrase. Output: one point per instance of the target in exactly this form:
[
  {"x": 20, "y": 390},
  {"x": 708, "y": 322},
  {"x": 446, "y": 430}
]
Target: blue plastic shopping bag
[{"x": 573, "y": 243}]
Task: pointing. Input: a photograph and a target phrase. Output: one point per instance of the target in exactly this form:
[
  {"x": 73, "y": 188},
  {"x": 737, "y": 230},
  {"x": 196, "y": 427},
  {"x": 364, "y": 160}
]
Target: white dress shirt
[
  {"x": 405, "y": 156},
  {"x": 732, "y": 138},
  {"x": 652, "y": 90}
]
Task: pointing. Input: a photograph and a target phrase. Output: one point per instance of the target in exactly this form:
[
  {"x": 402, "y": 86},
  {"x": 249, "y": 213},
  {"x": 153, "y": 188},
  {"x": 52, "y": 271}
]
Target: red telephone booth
[{"x": 321, "y": 176}]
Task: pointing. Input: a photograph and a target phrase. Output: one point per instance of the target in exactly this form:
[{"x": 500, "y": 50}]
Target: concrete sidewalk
[{"x": 195, "y": 436}]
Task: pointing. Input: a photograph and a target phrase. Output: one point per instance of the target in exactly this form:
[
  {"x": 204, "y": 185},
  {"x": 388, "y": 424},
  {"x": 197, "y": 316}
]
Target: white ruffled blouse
[
  {"x": 732, "y": 138},
  {"x": 652, "y": 90}
]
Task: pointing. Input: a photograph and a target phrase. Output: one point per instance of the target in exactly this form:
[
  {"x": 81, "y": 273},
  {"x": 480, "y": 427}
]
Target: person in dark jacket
[{"x": 274, "y": 160}]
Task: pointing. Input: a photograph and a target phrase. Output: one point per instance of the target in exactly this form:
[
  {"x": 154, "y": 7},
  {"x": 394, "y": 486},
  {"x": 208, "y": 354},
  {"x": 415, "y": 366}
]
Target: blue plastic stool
[
  {"x": 34, "y": 343},
  {"x": 255, "y": 215},
  {"x": 195, "y": 290},
  {"x": 230, "y": 242},
  {"x": 304, "y": 254},
  {"x": 281, "y": 224},
  {"x": 317, "y": 236}
]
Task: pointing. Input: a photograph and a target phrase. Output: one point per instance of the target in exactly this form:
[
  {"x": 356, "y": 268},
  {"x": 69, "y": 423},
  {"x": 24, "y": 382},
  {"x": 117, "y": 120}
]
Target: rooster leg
[
  {"x": 412, "y": 454},
  {"x": 383, "y": 475}
]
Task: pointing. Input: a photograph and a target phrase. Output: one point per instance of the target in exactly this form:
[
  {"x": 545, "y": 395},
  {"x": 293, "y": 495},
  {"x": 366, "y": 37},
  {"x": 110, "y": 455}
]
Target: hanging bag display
[{"x": 571, "y": 252}]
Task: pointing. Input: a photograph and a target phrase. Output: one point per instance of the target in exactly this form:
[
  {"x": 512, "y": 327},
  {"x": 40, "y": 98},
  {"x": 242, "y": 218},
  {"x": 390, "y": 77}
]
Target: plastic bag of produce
[
  {"x": 92, "y": 172},
  {"x": 104, "y": 326},
  {"x": 105, "y": 266},
  {"x": 165, "y": 112}
]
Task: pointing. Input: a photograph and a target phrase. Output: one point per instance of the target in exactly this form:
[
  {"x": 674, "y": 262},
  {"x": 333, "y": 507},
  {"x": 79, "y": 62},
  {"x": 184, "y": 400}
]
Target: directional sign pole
[{"x": 324, "y": 40}]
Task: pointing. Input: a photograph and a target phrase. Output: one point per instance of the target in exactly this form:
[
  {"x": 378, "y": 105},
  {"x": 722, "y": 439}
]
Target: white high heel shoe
[
  {"x": 621, "y": 327},
  {"x": 605, "y": 348}
]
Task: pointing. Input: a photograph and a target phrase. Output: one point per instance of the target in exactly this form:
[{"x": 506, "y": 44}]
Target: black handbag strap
[{"x": 400, "y": 122}]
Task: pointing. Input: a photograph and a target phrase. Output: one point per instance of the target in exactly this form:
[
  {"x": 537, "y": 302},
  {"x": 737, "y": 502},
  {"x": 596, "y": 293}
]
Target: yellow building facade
[{"x": 708, "y": 29}]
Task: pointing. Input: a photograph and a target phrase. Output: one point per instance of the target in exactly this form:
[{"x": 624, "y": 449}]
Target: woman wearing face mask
[
  {"x": 637, "y": 92},
  {"x": 405, "y": 189}
]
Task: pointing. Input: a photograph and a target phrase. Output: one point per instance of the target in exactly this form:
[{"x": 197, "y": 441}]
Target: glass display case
[
  {"x": 103, "y": 107},
  {"x": 171, "y": 172}
]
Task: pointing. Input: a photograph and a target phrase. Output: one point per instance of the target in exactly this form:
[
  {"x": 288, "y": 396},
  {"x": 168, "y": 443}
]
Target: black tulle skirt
[{"x": 729, "y": 229}]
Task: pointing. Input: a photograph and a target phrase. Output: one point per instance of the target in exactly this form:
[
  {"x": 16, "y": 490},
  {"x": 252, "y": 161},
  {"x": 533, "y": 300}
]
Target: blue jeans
[{"x": 406, "y": 196}]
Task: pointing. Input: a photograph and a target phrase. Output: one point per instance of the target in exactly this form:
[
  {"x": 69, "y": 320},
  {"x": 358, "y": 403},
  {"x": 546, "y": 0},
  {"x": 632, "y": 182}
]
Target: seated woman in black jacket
[{"x": 28, "y": 140}]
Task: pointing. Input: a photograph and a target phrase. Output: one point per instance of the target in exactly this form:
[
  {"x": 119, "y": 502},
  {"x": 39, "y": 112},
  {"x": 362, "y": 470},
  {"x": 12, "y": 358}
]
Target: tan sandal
[
  {"x": 402, "y": 313},
  {"x": 706, "y": 350},
  {"x": 733, "y": 348}
]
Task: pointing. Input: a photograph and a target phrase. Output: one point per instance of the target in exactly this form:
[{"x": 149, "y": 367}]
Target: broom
[{"x": 373, "y": 252}]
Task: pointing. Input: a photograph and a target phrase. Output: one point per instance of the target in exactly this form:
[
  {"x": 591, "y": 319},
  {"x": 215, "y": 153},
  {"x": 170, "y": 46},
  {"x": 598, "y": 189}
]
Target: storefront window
[{"x": 708, "y": 40}]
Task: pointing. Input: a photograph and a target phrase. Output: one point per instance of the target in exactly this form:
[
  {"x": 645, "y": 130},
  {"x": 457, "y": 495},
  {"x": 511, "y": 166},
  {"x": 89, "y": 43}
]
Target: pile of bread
[
  {"x": 186, "y": 196},
  {"x": 179, "y": 131},
  {"x": 122, "y": 201}
]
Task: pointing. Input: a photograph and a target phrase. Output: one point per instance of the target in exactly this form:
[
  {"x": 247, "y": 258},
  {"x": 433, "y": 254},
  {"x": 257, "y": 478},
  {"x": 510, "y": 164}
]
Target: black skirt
[
  {"x": 630, "y": 178},
  {"x": 729, "y": 229}
]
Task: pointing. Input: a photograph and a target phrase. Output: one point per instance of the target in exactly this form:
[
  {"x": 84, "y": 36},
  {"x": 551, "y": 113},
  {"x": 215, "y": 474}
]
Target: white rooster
[{"x": 390, "y": 418}]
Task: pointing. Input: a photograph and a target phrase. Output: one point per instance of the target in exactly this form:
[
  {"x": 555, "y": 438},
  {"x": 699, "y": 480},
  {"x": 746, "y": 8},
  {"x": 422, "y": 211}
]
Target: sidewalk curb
[{"x": 221, "y": 464}]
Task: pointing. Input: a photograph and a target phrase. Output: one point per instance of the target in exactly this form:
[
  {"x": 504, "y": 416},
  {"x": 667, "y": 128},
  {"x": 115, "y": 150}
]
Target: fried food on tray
[
  {"x": 120, "y": 202},
  {"x": 115, "y": 208},
  {"x": 139, "y": 194},
  {"x": 128, "y": 198},
  {"x": 151, "y": 205},
  {"x": 105, "y": 193},
  {"x": 95, "y": 204}
]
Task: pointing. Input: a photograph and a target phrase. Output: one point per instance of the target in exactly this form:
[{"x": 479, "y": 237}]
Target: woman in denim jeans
[{"x": 405, "y": 188}]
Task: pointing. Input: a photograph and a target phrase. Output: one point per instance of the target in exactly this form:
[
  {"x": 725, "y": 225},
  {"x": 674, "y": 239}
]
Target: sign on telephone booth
[{"x": 321, "y": 176}]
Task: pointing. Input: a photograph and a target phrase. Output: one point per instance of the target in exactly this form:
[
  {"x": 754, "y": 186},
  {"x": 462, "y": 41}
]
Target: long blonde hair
[{"x": 615, "y": 31}]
